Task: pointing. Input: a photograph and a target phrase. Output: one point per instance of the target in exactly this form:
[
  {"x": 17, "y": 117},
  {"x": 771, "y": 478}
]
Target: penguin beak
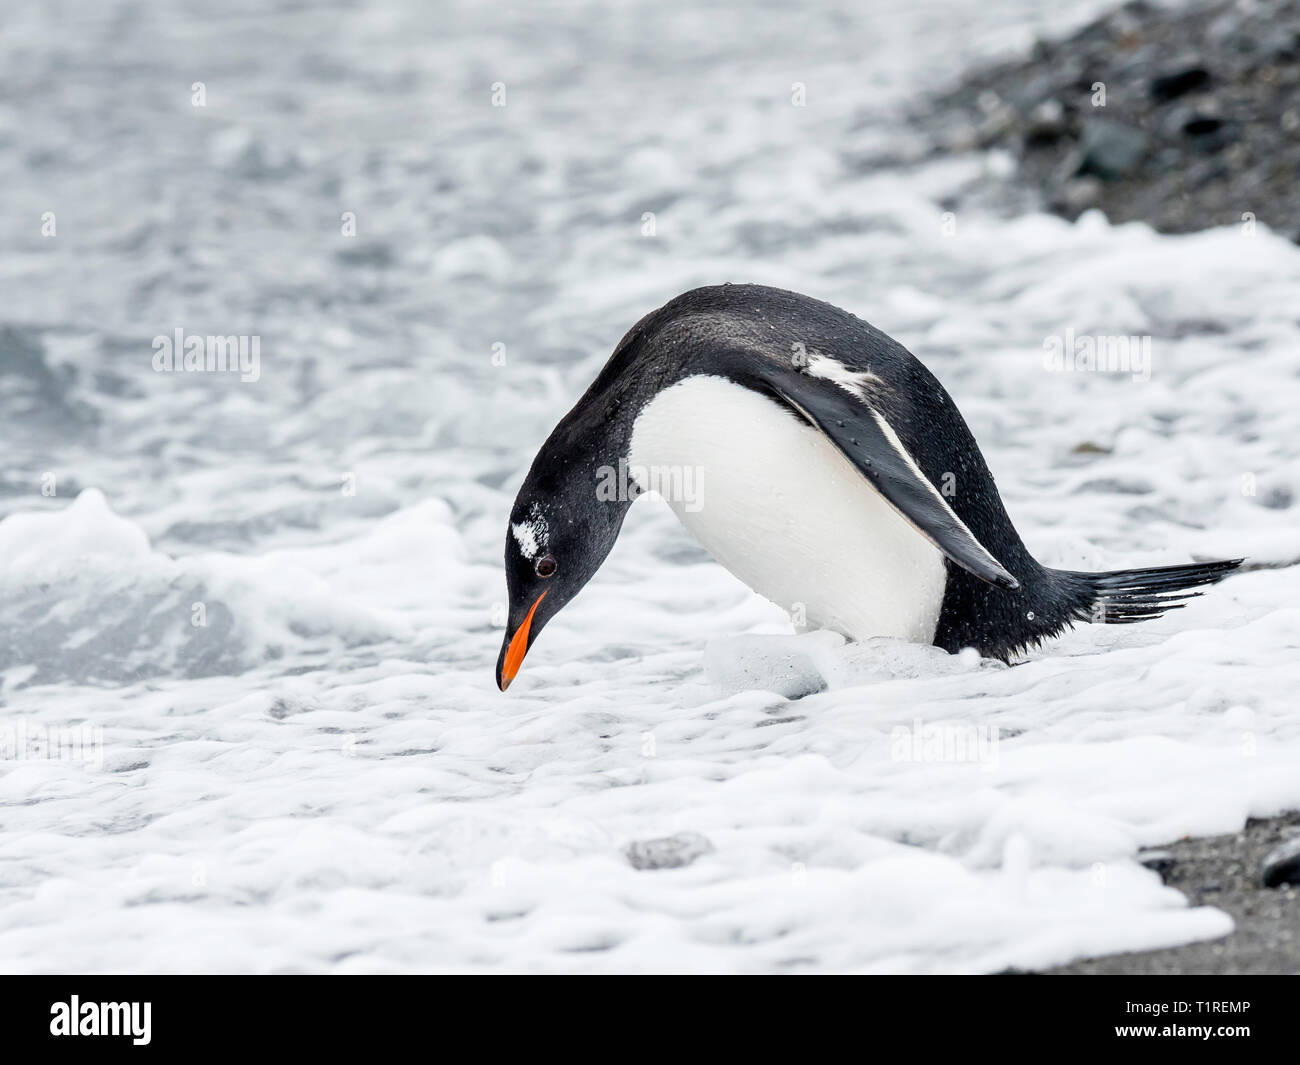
[{"x": 517, "y": 648}]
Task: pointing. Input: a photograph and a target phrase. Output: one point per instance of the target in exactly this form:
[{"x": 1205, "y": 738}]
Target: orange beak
[{"x": 518, "y": 647}]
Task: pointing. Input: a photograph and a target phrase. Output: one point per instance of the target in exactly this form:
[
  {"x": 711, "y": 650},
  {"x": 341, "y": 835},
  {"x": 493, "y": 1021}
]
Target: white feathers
[
  {"x": 855, "y": 382},
  {"x": 791, "y": 516},
  {"x": 531, "y": 534},
  {"x": 526, "y": 537}
]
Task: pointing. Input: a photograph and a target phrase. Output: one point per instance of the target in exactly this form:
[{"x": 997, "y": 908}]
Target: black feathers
[
  {"x": 1124, "y": 596},
  {"x": 1002, "y": 624},
  {"x": 996, "y": 598}
]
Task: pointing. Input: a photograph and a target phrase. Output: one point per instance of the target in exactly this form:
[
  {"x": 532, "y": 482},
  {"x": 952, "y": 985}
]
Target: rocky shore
[
  {"x": 1254, "y": 875},
  {"x": 1184, "y": 118}
]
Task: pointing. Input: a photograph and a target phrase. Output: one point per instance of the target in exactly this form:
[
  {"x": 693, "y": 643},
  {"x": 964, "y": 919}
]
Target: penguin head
[{"x": 559, "y": 534}]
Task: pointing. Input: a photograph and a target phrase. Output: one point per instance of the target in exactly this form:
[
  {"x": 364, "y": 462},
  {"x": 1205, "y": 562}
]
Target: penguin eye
[{"x": 545, "y": 566}]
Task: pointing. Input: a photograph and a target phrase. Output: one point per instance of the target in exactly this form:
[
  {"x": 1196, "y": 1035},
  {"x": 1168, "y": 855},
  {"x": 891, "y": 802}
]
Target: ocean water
[{"x": 249, "y": 620}]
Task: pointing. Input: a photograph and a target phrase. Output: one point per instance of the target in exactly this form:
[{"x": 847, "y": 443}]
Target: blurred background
[{"x": 437, "y": 220}]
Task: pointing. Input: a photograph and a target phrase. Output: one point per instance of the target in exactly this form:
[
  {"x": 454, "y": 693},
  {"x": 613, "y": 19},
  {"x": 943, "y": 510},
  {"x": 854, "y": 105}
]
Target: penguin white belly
[{"x": 776, "y": 503}]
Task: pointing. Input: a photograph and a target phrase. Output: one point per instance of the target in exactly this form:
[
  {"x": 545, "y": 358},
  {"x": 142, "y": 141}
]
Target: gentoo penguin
[{"x": 821, "y": 463}]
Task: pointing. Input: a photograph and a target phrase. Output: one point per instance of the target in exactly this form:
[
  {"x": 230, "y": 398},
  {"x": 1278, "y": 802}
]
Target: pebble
[
  {"x": 1178, "y": 82},
  {"x": 668, "y": 852},
  {"x": 1110, "y": 149},
  {"x": 1281, "y": 865},
  {"x": 1158, "y": 861},
  {"x": 1198, "y": 115},
  {"x": 1046, "y": 123},
  {"x": 1080, "y": 193}
]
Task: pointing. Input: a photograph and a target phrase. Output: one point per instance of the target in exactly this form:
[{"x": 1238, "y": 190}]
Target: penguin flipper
[{"x": 865, "y": 438}]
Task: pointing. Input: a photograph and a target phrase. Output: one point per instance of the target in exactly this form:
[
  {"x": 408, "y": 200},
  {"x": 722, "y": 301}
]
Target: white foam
[{"x": 326, "y": 778}]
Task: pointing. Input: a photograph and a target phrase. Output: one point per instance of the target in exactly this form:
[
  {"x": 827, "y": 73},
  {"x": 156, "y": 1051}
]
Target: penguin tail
[{"x": 1126, "y": 596}]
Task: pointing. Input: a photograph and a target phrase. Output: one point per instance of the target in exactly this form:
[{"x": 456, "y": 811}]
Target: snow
[{"x": 315, "y": 771}]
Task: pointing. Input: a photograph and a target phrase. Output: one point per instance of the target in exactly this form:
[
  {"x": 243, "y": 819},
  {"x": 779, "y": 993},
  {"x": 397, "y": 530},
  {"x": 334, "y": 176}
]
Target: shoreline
[
  {"x": 1183, "y": 119},
  {"x": 1223, "y": 872}
]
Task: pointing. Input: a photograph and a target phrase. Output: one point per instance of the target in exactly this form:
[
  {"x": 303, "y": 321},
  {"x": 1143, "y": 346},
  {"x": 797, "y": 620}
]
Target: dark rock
[
  {"x": 1282, "y": 44},
  {"x": 1209, "y": 132},
  {"x": 1179, "y": 82},
  {"x": 669, "y": 852},
  {"x": 1200, "y": 125},
  {"x": 1265, "y": 922},
  {"x": 1046, "y": 123},
  {"x": 1281, "y": 865},
  {"x": 1159, "y": 861},
  {"x": 1110, "y": 149},
  {"x": 1199, "y": 121},
  {"x": 1025, "y": 95}
]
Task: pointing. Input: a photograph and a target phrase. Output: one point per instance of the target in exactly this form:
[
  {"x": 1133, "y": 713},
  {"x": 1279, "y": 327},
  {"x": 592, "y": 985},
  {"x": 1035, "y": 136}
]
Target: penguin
[{"x": 819, "y": 461}]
